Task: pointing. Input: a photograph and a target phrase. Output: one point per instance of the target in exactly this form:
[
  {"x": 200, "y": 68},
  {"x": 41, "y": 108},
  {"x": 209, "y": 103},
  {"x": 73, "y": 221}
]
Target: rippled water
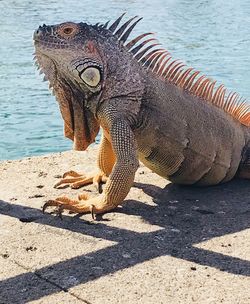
[{"x": 213, "y": 36}]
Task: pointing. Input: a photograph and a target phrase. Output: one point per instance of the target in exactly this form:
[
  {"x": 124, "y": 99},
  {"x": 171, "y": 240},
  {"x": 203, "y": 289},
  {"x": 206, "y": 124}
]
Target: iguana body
[{"x": 150, "y": 107}]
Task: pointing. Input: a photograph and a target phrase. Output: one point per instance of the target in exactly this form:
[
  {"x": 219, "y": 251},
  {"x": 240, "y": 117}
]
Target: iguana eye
[
  {"x": 68, "y": 30},
  {"x": 91, "y": 76}
]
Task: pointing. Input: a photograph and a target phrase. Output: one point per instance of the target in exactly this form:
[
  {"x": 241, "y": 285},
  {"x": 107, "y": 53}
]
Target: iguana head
[
  {"x": 85, "y": 64},
  {"x": 74, "y": 69}
]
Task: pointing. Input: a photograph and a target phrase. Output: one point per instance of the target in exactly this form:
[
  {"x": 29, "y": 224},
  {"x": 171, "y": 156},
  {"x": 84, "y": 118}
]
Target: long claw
[
  {"x": 44, "y": 207},
  {"x": 98, "y": 186},
  {"x": 92, "y": 211},
  {"x": 98, "y": 180},
  {"x": 60, "y": 211},
  {"x": 50, "y": 203}
]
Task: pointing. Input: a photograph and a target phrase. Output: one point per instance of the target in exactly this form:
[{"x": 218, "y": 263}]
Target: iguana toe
[
  {"x": 69, "y": 180},
  {"x": 76, "y": 180},
  {"x": 72, "y": 173}
]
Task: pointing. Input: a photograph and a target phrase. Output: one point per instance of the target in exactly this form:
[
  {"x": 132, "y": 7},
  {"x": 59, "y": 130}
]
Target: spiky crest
[{"x": 161, "y": 63}]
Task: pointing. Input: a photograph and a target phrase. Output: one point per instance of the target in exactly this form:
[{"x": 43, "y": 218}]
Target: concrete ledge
[{"x": 167, "y": 244}]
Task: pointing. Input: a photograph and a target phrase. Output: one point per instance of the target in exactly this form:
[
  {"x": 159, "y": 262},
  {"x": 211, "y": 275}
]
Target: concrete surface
[{"x": 167, "y": 244}]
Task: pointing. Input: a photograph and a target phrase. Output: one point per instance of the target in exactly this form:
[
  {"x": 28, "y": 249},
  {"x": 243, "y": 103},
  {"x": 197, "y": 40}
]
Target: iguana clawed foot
[
  {"x": 82, "y": 205},
  {"x": 77, "y": 180}
]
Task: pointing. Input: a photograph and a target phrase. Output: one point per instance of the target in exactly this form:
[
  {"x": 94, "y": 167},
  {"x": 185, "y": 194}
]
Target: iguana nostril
[{"x": 39, "y": 32}]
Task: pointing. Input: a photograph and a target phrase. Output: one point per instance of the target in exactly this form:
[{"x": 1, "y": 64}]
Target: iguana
[{"x": 151, "y": 108}]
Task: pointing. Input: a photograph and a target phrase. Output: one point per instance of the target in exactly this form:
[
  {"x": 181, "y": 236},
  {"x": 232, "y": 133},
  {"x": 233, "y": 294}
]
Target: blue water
[{"x": 213, "y": 36}]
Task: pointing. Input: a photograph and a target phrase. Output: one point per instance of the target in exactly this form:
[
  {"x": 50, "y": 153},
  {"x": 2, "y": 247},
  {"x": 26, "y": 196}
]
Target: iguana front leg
[
  {"x": 120, "y": 180},
  {"x": 106, "y": 160}
]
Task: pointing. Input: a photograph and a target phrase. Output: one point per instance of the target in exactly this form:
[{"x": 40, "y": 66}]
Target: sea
[{"x": 212, "y": 36}]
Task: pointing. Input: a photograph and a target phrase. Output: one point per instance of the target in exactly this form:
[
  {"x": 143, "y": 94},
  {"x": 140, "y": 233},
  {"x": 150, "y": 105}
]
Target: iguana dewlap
[{"x": 151, "y": 108}]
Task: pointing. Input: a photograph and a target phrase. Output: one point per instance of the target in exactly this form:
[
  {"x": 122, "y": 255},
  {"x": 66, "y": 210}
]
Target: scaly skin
[{"x": 98, "y": 82}]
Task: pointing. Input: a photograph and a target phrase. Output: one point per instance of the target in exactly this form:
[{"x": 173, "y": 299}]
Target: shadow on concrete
[{"x": 187, "y": 215}]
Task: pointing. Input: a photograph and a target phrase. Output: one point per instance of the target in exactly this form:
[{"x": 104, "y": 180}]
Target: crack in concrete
[{"x": 37, "y": 274}]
